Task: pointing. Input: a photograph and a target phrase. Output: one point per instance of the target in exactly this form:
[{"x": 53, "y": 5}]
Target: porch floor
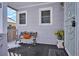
[{"x": 38, "y": 50}]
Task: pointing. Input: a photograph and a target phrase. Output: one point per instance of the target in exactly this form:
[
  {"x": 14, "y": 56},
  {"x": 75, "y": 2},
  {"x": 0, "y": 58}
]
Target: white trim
[
  {"x": 68, "y": 52},
  {"x": 26, "y": 18},
  {"x": 1, "y": 15},
  {"x": 36, "y": 5},
  {"x": 77, "y": 24},
  {"x": 43, "y": 9}
]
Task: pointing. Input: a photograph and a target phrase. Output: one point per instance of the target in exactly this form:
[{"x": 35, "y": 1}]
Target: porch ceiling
[{"x": 19, "y": 5}]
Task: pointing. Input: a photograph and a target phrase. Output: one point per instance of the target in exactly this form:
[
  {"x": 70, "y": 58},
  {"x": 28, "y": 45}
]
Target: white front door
[{"x": 70, "y": 27}]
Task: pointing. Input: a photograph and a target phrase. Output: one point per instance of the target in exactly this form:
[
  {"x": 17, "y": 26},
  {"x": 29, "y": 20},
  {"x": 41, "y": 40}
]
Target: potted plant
[{"x": 60, "y": 37}]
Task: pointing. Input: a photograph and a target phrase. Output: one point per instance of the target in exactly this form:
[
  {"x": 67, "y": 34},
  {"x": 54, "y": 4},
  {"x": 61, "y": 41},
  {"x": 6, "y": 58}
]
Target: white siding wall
[{"x": 45, "y": 33}]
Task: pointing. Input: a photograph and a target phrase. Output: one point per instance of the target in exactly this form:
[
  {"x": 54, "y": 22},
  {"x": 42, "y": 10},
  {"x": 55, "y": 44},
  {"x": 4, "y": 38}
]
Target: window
[
  {"x": 0, "y": 5},
  {"x": 22, "y": 18},
  {"x": 11, "y": 14},
  {"x": 45, "y": 16}
]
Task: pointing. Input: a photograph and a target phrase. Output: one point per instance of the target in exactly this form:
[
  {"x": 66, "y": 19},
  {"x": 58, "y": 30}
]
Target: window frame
[
  {"x": 45, "y": 9},
  {"x": 20, "y": 12}
]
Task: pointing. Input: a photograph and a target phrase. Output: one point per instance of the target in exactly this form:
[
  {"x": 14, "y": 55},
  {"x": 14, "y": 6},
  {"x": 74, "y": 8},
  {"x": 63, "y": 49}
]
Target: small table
[{"x": 34, "y": 36}]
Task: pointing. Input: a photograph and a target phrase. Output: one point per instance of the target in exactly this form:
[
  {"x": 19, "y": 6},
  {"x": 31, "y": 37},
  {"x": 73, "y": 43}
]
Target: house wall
[
  {"x": 45, "y": 32},
  {"x": 3, "y": 35}
]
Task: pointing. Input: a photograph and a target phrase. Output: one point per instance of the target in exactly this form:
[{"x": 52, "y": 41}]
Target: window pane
[
  {"x": 45, "y": 20},
  {"x": 11, "y": 13},
  {"x": 45, "y": 13},
  {"x": 22, "y": 18}
]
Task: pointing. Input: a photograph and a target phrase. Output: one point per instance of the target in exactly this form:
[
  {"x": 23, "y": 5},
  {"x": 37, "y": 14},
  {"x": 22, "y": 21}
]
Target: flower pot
[{"x": 60, "y": 43}]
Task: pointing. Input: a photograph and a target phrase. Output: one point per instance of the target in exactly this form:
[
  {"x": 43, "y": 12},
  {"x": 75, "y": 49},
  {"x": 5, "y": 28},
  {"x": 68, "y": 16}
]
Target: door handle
[{"x": 73, "y": 23}]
